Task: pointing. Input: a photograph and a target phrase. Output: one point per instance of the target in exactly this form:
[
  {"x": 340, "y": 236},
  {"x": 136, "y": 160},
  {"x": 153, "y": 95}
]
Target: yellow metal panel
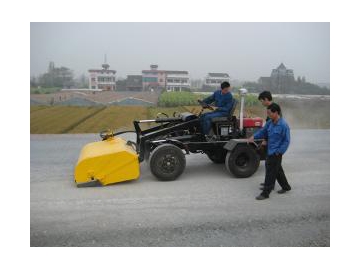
[{"x": 108, "y": 161}]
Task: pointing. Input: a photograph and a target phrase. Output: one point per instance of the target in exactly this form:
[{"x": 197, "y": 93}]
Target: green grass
[
  {"x": 174, "y": 99},
  {"x": 43, "y": 90},
  {"x": 72, "y": 119},
  {"x": 59, "y": 119},
  {"x": 37, "y": 108},
  {"x": 113, "y": 117}
]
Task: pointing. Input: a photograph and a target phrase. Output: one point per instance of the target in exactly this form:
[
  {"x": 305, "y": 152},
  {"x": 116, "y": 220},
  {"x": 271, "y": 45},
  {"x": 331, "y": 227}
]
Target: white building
[
  {"x": 177, "y": 80},
  {"x": 102, "y": 79},
  {"x": 213, "y": 80}
]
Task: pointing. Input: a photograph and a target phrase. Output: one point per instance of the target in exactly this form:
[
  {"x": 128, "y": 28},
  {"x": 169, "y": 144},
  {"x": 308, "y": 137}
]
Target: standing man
[
  {"x": 223, "y": 101},
  {"x": 277, "y": 132},
  {"x": 265, "y": 98}
]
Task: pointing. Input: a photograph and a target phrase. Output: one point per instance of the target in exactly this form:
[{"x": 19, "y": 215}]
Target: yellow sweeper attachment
[{"x": 106, "y": 162}]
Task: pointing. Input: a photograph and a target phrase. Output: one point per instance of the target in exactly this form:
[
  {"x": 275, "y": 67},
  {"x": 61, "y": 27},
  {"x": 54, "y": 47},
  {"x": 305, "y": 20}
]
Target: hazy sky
[{"x": 244, "y": 50}]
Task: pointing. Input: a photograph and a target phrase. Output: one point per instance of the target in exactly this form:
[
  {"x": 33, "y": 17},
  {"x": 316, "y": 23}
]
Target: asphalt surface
[{"x": 206, "y": 206}]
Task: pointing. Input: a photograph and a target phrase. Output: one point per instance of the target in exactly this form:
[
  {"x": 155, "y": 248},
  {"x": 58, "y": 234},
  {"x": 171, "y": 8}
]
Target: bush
[
  {"x": 174, "y": 99},
  {"x": 43, "y": 90}
]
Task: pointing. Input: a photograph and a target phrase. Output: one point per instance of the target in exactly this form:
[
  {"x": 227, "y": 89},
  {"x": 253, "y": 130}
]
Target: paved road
[{"x": 205, "y": 207}]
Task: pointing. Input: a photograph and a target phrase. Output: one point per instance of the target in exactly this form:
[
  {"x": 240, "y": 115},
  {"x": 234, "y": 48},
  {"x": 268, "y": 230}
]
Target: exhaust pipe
[{"x": 242, "y": 93}]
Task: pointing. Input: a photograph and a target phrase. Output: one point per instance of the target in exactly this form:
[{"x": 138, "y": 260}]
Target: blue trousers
[{"x": 205, "y": 120}]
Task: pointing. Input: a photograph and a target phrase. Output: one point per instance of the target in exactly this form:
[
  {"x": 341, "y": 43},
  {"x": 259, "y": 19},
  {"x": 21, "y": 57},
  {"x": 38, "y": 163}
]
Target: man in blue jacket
[
  {"x": 277, "y": 133},
  {"x": 223, "y": 101}
]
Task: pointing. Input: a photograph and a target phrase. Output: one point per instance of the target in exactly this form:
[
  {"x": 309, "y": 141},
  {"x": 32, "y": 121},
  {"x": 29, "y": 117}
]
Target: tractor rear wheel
[
  {"x": 243, "y": 161},
  {"x": 167, "y": 162}
]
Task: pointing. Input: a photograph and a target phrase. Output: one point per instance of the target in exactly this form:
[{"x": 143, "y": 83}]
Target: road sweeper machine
[{"x": 165, "y": 145}]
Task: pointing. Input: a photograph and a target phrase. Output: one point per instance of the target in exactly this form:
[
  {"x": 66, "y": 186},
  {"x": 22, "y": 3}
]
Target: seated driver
[{"x": 223, "y": 100}]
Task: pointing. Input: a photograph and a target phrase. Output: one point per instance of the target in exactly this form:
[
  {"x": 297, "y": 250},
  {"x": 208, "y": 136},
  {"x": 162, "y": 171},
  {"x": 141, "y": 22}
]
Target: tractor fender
[
  {"x": 177, "y": 143},
  {"x": 230, "y": 145}
]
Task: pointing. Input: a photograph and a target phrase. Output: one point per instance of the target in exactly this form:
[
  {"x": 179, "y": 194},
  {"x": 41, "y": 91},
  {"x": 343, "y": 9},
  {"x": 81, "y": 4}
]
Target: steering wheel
[
  {"x": 204, "y": 105},
  {"x": 161, "y": 113}
]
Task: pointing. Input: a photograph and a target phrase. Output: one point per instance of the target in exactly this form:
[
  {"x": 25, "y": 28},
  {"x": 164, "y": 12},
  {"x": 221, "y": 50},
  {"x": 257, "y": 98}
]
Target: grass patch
[
  {"x": 71, "y": 119},
  {"x": 43, "y": 90},
  {"x": 82, "y": 120},
  {"x": 58, "y": 119},
  {"x": 37, "y": 108},
  {"x": 176, "y": 99},
  {"x": 113, "y": 117}
]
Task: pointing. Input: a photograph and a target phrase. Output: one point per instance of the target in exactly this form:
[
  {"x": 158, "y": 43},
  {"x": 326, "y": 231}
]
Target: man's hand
[
  {"x": 264, "y": 143},
  {"x": 251, "y": 139}
]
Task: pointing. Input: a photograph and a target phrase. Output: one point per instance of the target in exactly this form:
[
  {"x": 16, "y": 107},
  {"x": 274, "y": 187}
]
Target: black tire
[
  {"x": 217, "y": 157},
  {"x": 243, "y": 161},
  {"x": 167, "y": 162}
]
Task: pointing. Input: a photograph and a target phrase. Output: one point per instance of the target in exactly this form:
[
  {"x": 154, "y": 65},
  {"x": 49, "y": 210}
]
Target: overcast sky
[{"x": 244, "y": 50}]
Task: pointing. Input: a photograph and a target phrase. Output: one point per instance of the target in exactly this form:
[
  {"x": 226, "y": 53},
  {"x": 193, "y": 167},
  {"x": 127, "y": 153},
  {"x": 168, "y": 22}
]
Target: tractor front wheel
[
  {"x": 243, "y": 161},
  {"x": 167, "y": 162}
]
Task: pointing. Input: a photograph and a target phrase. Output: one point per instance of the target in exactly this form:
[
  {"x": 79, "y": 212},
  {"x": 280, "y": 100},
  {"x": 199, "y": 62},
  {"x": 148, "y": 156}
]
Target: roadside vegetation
[
  {"x": 72, "y": 119},
  {"x": 306, "y": 113},
  {"x": 185, "y": 98},
  {"x": 59, "y": 119},
  {"x": 44, "y": 90}
]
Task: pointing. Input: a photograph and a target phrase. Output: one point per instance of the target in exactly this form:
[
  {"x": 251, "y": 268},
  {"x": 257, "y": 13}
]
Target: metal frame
[
  {"x": 186, "y": 134},
  {"x": 193, "y": 142}
]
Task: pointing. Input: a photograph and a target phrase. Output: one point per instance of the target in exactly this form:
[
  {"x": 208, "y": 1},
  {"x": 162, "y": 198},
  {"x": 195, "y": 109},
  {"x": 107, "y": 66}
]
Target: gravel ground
[{"x": 205, "y": 207}]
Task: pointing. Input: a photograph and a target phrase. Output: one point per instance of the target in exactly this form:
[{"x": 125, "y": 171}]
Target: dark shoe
[
  {"x": 282, "y": 191},
  {"x": 262, "y": 197}
]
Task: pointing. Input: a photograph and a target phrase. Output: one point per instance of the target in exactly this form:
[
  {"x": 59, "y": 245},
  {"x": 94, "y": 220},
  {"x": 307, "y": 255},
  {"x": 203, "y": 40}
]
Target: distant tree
[
  {"x": 81, "y": 82},
  {"x": 121, "y": 85},
  {"x": 57, "y": 77},
  {"x": 252, "y": 87},
  {"x": 310, "y": 89},
  {"x": 33, "y": 81},
  {"x": 84, "y": 81}
]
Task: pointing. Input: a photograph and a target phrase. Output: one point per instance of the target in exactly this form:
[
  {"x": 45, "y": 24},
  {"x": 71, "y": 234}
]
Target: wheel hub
[
  {"x": 242, "y": 160},
  {"x": 168, "y": 163}
]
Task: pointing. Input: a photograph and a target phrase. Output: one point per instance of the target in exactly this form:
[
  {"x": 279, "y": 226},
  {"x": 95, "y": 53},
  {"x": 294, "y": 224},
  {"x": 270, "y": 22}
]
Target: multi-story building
[
  {"x": 134, "y": 83},
  {"x": 281, "y": 80},
  {"x": 213, "y": 80},
  {"x": 177, "y": 80},
  {"x": 103, "y": 79},
  {"x": 153, "y": 79}
]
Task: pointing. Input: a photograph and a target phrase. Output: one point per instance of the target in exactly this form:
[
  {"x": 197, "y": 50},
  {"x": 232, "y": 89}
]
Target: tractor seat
[
  {"x": 187, "y": 116},
  {"x": 226, "y": 118}
]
